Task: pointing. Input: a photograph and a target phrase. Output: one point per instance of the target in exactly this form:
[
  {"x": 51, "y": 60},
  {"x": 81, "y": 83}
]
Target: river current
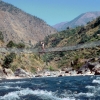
[{"x": 57, "y": 88}]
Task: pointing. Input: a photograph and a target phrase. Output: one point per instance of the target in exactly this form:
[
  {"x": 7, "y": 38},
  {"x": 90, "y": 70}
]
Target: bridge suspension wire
[
  {"x": 75, "y": 47},
  {"x": 55, "y": 49}
]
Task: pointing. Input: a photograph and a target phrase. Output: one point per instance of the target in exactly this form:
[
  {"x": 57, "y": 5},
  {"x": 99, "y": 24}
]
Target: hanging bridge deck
[{"x": 67, "y": 48}]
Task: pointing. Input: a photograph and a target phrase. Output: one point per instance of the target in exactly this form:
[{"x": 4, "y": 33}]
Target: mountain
[
  {"x": 82, "y": 19},
  {"x": 18, "y": 26},
  {"x": 71, "y": 37},
  {"x": 59, "y": 25}
]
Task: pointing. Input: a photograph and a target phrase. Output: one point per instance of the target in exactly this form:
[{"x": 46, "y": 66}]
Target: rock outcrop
[
  {"x": 9, "y": 72},
  {"x": 2, "y": 75},
  {"x": 96, "y": 69},
  {"x": 22, "y": 73},
  {"x": 91, "y": 67}
]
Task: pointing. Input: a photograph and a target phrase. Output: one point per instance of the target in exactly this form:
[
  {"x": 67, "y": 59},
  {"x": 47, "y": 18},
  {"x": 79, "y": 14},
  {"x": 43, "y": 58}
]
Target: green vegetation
[
  {"x": 84, "y": 39},
  {"x": 1, "y": 36},
  {"x": 70, "y": 37},
  {"x": 51, "y": 68},
  {"x": 11, "y": 44},
  {"x": 14, "y": 67},
  {"x": 20, "y": 45},
  {"x": 33, "y": 70},
  {"x": 78, "y": 35},
  {"x": 8, "y": 60}
]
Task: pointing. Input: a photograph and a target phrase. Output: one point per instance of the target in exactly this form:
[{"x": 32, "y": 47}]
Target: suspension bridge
[{"x": 55, "y": 49}]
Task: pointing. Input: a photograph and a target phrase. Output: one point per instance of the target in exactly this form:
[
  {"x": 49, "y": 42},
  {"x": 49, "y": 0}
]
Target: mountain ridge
[
  {"x": 18, "y": 26},
  {"x": 59, "y": 25},
  {"x": 82, "y": 19}
]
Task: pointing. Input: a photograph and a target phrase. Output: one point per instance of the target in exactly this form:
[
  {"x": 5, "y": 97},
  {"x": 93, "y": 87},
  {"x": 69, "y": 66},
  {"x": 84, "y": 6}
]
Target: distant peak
[{"x": 82, "y": 19}]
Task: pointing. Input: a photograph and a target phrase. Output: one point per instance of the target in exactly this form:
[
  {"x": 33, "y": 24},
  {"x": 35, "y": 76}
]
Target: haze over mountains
[
  {"x": 78, "y": 21},
  {"x": 59, "y": 25},
  {"x": 16, "y": 25}
]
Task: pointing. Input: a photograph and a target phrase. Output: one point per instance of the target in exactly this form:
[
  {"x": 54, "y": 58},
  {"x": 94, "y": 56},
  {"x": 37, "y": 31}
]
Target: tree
[
  {"x": 11, "y": 44},
  {"x": 1, "y": 36},
  {"x": 84, "y": 39},
  {"x": 8, "y": 60},
  {"x": 68, "y": 28}
]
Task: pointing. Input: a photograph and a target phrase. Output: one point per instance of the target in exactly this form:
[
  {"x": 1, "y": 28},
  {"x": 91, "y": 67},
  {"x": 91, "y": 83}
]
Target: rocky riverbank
[
  {"x": 88, "y": 68},
  {"x": 9, "y": 74}
]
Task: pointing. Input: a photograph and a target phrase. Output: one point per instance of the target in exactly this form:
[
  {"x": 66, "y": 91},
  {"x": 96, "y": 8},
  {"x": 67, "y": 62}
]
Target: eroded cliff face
[{"x": 19, "y": 26}]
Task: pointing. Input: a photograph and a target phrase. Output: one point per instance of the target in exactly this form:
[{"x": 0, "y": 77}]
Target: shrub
[
  {"x": 8, "y": 60},
  {"x": 1, "y": 36},
  {"x": 33, "y": 70},
  {"x": 21, "y": 45},
  {"x": 11, "y": 44},
  {"x": 4, "y": 9},
  {"x": 14, "y": 67},
  {"x": 51, "y": 68},
  {"x": 84, "y": 39}
]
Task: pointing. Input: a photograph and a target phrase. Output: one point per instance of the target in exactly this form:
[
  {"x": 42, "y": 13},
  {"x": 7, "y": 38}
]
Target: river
[{"x": 51, "y": 88}]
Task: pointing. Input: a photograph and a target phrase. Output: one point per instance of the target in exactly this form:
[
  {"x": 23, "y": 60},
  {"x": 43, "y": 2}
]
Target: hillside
[
  {"x": 18, "y": 26},
  {"x": 70, "y": 37},
  {"x": 80, "y": 20}
]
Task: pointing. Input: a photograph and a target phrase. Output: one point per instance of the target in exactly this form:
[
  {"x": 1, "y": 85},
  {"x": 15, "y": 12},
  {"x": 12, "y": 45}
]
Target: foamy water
[
  {"x": 45, "y": 95},
  {"x": 64, "y": 88}
]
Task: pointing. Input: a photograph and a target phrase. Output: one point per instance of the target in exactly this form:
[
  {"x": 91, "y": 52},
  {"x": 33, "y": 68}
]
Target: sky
[{"x": 56, "y": 11}]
